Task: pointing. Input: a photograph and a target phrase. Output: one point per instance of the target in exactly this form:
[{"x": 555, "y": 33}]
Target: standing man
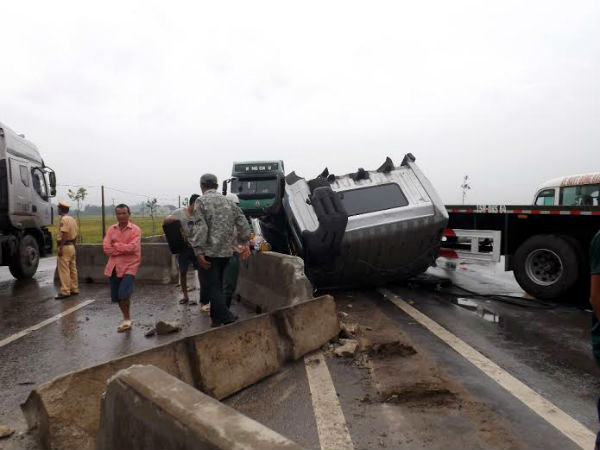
[
  {"x": 216, "y": 219},
  {"x": 186, "y": 257},
  {"x": 122, "y": 244},
  {"x": 595, "y": 301},
  {"x": 66, "y": 265}
]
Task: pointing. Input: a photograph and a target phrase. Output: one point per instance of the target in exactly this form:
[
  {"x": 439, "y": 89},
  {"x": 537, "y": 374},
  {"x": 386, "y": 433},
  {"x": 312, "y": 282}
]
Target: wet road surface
[
  {"x": 81, "y": 339},
  {"x": 546, "y": 348},
  {"x": 452, "y": 405}
]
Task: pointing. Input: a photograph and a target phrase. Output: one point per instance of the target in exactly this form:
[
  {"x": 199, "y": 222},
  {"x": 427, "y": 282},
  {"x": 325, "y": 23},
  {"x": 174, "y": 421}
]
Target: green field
[{"x": 90, "y": 229}]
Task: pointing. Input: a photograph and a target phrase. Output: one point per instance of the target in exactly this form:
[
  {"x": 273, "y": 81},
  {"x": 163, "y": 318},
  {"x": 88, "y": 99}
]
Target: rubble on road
[
  {"x": 164, "y": 327},
  {"x": 349, "y": 330},
  {"x": 6, "y": 431},
  {"x": 347, "y": 349}
]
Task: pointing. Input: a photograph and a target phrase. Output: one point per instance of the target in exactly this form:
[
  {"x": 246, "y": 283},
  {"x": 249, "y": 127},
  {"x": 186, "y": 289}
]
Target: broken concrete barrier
[
  {"x": 308, "y": 325},
  {"x": 158, "y": 264},
  {"x": 247, "y": 352},
  {"x": 146, "y": 408},
  {"x": 66, "y": 410},
  {"x": 270, "y": 280},
  {"x": 220, "y": 362}
]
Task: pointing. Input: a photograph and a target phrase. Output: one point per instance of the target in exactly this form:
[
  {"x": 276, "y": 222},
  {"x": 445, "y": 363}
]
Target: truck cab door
[{"x": 20, "y": 199}]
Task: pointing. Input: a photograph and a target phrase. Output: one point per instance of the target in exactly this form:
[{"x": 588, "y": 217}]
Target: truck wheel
[
  {"x": 26, "y": 260},
  {"x": 547, "y": 266}
]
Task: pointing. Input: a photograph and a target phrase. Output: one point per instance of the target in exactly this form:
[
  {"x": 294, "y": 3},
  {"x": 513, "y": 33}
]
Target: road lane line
[
  {"x": 26, "y": 331},
  {"x": 331, "y": 423},
  {"x": 567, "y": 425}
]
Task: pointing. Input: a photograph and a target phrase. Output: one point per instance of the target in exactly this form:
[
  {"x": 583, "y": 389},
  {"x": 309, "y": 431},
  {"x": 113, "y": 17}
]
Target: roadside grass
[{"x": 90, "y": 229}]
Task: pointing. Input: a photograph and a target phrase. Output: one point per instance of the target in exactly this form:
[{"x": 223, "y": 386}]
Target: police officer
[
  {"x": 216, "y": 220},
  {"x": 66, "y": 265}
]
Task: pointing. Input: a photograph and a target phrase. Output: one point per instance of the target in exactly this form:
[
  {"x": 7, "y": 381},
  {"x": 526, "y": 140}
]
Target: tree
[
  {"x": 185, "y": 202},
  {"x": 78, "y": 197},
  {"x": 151, "y": 204},
  {"x": 465, "y": 187}
]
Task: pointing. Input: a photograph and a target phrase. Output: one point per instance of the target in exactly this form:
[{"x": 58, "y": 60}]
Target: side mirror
[{"x": 52, "y": 179}]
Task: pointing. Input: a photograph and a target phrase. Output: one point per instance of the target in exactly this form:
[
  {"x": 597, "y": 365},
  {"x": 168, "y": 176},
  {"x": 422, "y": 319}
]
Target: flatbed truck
[{"x": 546, "y": 244}]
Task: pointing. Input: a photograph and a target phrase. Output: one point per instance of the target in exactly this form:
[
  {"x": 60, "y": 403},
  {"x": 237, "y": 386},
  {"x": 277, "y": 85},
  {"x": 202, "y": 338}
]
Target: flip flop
[{"x": 126, "y": 325}]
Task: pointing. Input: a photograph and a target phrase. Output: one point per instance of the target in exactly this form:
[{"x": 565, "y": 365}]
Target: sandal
[{"x": 126, "y": 325}]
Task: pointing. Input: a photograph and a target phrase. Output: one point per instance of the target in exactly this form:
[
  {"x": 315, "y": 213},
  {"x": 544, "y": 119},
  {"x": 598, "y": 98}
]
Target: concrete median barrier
[
  {"x": 158, "y": 264},
  {"x": 146, "y": 408},
  {"x": 66, "y": 410},
  {"x": 219, "y": 361},
  {"x": 308, "y": 325},
  {"x": 270, "y": 280},
  {"x": 247, "y": 352}
]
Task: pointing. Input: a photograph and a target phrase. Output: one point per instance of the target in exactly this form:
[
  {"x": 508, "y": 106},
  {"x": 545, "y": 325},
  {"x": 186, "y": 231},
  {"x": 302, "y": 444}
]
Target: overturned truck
[{"x": 366, "y": 228}]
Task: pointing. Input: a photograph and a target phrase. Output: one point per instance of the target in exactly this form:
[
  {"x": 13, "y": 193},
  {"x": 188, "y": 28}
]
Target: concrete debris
[
  {"x": 342, "y": 315},
  {"x": 163, "y": 327},
  {"x": 6, "y": 431},
  {"x": 150, "y": 332},
  {"x": 349, "y": 330},
  {"x": 347, "y": 349}
]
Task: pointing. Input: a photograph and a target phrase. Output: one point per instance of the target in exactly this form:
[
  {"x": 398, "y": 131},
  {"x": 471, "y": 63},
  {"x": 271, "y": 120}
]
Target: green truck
[{"x": 259, "y": 185}]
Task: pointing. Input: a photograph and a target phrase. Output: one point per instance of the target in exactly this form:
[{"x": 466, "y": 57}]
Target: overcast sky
[{"x": 147, "y": 96}]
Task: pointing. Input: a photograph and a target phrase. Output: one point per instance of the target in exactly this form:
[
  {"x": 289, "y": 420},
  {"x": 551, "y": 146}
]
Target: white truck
[{"x": 26, "y": 187}]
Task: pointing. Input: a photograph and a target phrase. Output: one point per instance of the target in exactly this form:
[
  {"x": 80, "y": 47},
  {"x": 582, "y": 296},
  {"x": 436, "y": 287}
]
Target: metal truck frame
[{"x": 545, "y": 246}]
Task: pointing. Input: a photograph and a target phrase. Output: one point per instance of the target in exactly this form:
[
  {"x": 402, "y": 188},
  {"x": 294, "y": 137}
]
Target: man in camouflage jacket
[{"x": 216, "y": 219}]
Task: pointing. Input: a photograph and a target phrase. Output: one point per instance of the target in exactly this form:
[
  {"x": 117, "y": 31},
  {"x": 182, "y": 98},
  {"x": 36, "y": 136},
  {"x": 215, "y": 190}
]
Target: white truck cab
[
  {"x": 26, "y": 187},
  {"x": 572, "y": 190}
]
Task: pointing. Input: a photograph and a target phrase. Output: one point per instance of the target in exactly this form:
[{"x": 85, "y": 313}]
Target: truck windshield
[
  {"x": 256, "y": 188},
  {"x": 586, "y": 195},
  {"x": 374, "y": 198}
]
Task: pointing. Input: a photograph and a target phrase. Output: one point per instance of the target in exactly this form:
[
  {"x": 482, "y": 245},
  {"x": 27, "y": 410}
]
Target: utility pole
[
  {"x": 179, "y": 201},
  {"x": 103, "y": 215}
]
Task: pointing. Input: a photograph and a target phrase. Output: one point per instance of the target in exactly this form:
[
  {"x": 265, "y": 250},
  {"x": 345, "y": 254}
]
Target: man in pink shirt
[{"x": 122, "y": 244}]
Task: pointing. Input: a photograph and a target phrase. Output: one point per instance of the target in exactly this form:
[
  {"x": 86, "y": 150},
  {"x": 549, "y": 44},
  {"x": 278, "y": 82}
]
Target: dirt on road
[{"x": 431, "y": 408}]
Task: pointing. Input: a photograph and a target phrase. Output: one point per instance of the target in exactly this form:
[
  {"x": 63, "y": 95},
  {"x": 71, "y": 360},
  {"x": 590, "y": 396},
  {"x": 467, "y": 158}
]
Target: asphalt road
[{"x": 424, "y": 396}]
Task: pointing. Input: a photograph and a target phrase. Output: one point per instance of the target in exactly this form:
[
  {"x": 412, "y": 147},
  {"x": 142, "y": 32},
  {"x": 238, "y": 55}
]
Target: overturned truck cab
[{"x": 366, "y": 228}]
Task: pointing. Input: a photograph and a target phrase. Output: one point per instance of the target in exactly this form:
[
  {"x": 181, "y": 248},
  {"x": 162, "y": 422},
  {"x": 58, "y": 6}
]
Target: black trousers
[{"x": 212, "y": 280}]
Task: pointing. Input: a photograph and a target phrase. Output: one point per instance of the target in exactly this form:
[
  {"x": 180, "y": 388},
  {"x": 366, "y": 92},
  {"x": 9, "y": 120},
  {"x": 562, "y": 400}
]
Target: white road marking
[
  {"x": 567, "y": 425},
  {"x": 26, "y": 331},
  {"x": 331, "y": 423}
]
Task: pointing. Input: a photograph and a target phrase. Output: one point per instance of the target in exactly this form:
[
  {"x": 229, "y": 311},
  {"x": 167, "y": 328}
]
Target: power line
[{"x": 147, "y": 196}]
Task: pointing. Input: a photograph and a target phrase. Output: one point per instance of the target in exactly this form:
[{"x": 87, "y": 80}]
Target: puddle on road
[{"x": 478, "y": 309}]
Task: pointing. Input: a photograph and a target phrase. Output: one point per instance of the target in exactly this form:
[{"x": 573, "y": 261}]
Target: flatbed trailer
[{"x": 545, "y": 246}]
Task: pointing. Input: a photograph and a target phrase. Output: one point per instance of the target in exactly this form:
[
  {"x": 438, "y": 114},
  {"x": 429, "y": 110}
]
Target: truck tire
[
  {"x": 547, "y": 266},
  {"x": 25, "y": 262}
]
